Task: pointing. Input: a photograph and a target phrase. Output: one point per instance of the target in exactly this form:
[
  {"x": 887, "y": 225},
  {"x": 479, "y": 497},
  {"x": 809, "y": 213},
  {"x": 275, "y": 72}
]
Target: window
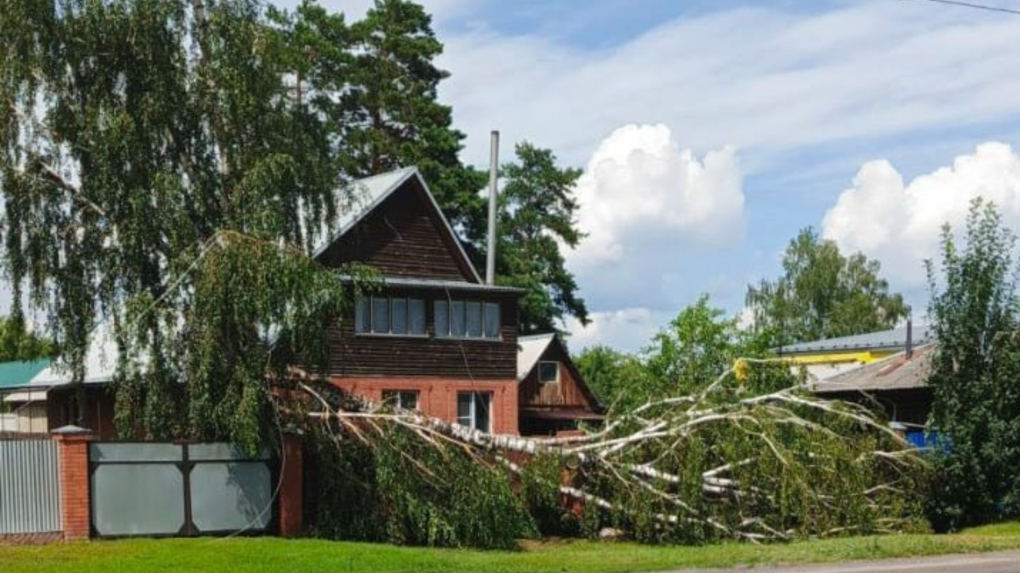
[
  {"x": 389, "y": 315},
  {"x": 467, "y": 319},
  {"x": 404, "y": 399},
  {"x": 473, "y": 410},
  {"x": 548, "y": 372}
]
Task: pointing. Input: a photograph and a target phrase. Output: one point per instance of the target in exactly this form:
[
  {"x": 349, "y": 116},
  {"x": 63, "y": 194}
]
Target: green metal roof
[{"x": 20, "y": 373}]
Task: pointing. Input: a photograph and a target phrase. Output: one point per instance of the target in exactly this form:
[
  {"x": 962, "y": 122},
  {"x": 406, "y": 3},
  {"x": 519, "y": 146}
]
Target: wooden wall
[
  {"x": 402, "y": 237},
  {"x": 353, "y": 354},
  {"x": 568, "y": 393}
]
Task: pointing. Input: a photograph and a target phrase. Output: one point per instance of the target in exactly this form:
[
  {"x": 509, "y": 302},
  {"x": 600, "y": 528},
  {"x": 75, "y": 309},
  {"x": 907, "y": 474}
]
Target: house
[
  {"x": 889, "y": 370},
  {"x": 22, "y": 411},
  {"x": 552, "y": 394},
  {"x": 434, "y": 337},
  {"x": 829, "y": 357},
  {"x": 896, "y": 384}
]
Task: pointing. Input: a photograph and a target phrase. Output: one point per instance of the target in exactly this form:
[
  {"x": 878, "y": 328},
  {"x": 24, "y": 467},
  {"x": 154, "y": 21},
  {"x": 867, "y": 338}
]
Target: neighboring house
[
  {"x": 22, "y": 410},
  {"x": 553, "y": 395},
  {"x": 434, "y": 337},
  {"x": 897, "y": 384},
  {"x": 833, "y": 356}
]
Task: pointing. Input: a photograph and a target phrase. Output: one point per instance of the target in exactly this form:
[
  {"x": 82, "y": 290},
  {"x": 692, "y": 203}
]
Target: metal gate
[
  {"x": 29, "y": 487},
  {"x": 166, "y": 489}
]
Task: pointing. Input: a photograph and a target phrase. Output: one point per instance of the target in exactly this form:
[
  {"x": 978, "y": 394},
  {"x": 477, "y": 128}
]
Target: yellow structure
[{"x": 829, "y": 357}]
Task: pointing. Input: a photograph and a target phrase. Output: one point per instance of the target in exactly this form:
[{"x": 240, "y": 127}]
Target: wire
[{"x": 975, "y": 6}]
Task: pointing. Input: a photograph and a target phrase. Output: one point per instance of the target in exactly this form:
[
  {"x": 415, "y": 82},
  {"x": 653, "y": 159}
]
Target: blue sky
[{"x": 712, "y": 131}]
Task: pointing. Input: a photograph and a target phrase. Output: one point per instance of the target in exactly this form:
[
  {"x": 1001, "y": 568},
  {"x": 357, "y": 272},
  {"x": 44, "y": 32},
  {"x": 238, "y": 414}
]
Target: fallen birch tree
[{"x": 726, "y": 462}]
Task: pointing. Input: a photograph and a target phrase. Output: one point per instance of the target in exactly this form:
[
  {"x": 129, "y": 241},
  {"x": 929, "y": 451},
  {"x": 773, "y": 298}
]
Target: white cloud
[
  {"x": 640, "y": 186},
  {"x": 628, "y": 329},
  {"x": 763, "y": 78},
  {"x": 899, "y": 223}
]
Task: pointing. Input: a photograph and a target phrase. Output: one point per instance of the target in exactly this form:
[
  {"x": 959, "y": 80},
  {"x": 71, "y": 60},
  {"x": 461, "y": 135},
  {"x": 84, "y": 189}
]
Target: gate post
[
  {"x": 291, "y": 486},
  {"x": 75, "y": 506}
]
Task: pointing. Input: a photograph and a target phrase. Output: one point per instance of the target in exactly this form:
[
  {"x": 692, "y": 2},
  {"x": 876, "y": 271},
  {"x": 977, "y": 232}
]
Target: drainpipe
[{"x": 490, "y": 259}]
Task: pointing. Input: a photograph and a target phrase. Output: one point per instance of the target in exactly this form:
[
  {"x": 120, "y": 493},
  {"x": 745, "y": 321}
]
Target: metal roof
[
  {"x": 100, "y": 362},
  {"x": 366, "y": 194},
  {"x": 530, "y": 350},
  {"x": 883, "y": 339},
  {"x": 893, "y": 373},
  {"x": 18, "y": 374}
]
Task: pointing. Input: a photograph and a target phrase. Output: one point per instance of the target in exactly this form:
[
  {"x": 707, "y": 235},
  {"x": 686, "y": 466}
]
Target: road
[{"x": 1004, "y": 562}]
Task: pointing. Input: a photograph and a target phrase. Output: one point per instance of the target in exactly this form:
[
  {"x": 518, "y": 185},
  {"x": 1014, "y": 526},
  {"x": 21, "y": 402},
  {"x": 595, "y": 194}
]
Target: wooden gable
[
  {"x": 570, "y": 392},
  {"x": 404, "y": 235}
]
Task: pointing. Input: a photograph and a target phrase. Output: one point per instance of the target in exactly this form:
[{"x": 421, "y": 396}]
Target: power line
[{"x": 976, "y": 6}]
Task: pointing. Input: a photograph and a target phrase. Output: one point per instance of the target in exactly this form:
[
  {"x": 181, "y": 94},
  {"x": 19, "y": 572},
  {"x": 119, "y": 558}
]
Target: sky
[{"x": 710, "y": 132}]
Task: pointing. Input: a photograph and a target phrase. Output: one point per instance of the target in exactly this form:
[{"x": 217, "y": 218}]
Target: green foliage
[
  {"x": 403, "y": 490},
  {"x": 17, "y": 342},
  {"x": 975, "y": 314},
  {"x": 693, "y": 350},
  {"x": 801, "y": 470},
  {"x": 543, "y": 502},
  {"x": 536, "y": 215},
  {"x": 615, "y": 377},
  {"x": 147, "y": 146},
  {"x": 823, "y": 294}
]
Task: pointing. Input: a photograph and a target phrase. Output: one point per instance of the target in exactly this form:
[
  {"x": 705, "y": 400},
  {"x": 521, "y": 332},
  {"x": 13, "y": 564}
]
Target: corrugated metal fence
[{"x": 29, "y": 487}]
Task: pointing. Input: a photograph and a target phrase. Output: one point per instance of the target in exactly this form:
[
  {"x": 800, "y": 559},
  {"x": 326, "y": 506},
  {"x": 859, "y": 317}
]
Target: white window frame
[
  {"x": 538, "y": 372},
  {"x": 398, "y": 395},
  {"x": 472, "y": 417}
]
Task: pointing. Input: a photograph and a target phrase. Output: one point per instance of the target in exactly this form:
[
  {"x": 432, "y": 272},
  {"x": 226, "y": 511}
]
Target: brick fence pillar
[
  {"x": 291, "y": 486},
  {"x": 75, "y": 507}
]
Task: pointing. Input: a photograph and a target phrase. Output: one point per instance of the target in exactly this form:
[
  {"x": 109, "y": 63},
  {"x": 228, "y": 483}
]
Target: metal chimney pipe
[
  {"x": 490, "y": 258},
  {"x": 910, "y": 339}
]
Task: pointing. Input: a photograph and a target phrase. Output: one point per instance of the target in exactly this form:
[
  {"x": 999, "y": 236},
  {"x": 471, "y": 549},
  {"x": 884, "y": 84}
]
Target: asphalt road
[{"x": 1005, "y": 562}]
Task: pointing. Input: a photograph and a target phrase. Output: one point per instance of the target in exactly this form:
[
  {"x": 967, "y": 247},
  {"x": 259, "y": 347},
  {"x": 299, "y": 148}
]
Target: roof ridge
[
  {"x": 389, "y": 173},
  {"x": 537, "y": 336}
]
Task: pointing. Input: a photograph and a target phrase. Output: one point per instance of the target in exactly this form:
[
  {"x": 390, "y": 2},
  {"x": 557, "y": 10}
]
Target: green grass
[{"x": 263, "y": 555}]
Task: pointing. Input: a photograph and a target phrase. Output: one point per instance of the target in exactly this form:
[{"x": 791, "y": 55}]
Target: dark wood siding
[
  {"x": 568, "y": 393},
  {"x": 402, "y": 237},
  {"x": 360, "y": 355}
]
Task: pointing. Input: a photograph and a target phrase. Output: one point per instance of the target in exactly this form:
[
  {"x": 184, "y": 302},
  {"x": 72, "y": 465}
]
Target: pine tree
[
  {"x": 536, "y": 219},
  {"x": 392, "y": 117}
]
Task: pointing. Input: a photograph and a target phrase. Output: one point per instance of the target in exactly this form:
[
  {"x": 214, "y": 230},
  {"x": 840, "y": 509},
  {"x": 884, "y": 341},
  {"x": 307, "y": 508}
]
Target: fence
[
  {"x": 29, "y": 487},
  {"x": 73, "y": 488},
  {"x": 158, "y": 489}
]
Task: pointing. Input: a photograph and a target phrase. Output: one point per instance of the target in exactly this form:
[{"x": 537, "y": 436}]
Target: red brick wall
[
  {"x": 291, "y": 487},
  {"x": 437, "y": 397},
  {"x": 75, "y": 507}
]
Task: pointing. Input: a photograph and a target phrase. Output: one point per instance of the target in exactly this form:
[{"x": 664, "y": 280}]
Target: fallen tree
[{"x": 727, "y": 462}]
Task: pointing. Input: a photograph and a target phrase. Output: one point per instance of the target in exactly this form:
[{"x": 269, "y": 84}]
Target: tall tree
[
  {"x": 975, "y": 314},
  {"x": 392, "y": 116},
  {"x": 160, "y": 174},
  {"x": 823, "y": 294},
  {"x": 536, "y": 218}
]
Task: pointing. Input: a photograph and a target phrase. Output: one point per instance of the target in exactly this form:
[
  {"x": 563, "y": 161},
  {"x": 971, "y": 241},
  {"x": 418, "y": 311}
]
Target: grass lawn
[{"x": 258, "y": 555}]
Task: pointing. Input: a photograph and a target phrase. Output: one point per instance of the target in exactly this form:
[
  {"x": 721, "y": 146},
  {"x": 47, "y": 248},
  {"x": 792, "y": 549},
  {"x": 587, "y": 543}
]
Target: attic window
[
  {"x": 467, "y": 319},
  {"x": 548, "y": 372},
  {"x": 398, "y": 316}
]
